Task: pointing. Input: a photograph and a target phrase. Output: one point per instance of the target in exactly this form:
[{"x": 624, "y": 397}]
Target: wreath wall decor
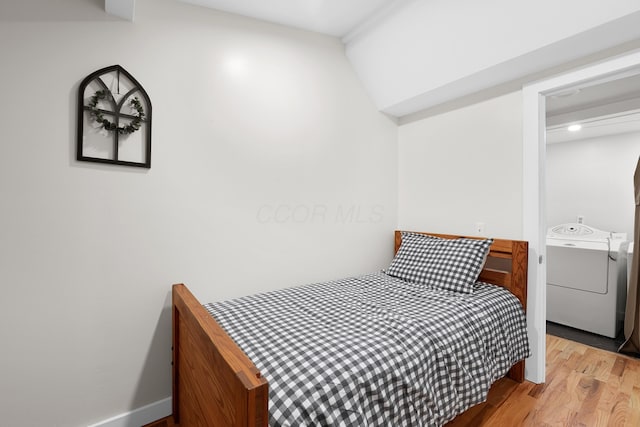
[
  {"x": 108, "y": 125},
  {"x": 114, "y": 119}
]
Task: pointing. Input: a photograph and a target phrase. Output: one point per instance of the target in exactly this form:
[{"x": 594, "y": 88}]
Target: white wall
[
  {"x": 466, "y": 166},
  {"x": 463, "y": 167},
  {"x": 254, "y": 125},
  {"x": 593, "y": 178}
]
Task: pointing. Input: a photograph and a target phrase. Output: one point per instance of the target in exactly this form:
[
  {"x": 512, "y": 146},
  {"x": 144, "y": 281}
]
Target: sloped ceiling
[
  {"x": 412, "y": 55},
  {"x": 430, "y": 52}
]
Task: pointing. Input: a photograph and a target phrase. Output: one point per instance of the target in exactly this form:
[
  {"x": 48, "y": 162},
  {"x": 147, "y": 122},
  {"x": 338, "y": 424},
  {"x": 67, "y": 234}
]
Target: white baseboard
[{"x": 141, "y": 416}]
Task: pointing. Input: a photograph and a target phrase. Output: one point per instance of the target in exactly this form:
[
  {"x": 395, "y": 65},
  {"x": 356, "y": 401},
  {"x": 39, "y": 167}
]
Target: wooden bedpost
[{"x": 214, "y": 382}]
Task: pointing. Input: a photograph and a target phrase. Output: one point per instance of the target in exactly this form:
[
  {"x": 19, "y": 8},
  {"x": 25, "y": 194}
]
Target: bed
[{"x": 215, "y": 382}]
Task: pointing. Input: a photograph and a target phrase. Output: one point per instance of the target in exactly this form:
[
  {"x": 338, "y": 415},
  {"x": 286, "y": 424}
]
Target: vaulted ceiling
[{"x": 412, "y": 55}]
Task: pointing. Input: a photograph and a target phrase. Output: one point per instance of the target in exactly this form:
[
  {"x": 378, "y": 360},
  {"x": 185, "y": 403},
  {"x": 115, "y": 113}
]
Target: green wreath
[{"x": 97, "y": 115}]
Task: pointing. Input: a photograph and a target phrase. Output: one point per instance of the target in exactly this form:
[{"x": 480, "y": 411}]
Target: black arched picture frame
[{"x": 114, "y": 119}]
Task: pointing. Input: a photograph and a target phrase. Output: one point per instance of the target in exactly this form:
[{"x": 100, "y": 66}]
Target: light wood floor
[{"x": 585, "y": 387}]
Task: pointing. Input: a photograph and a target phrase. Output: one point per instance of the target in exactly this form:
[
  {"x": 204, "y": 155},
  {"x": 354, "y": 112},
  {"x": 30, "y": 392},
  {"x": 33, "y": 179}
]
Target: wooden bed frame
[{"x": 216, "y": 384}]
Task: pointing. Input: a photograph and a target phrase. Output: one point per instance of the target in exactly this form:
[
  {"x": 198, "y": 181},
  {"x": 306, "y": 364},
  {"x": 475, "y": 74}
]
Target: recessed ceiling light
[{"x": 574, "y": 128}]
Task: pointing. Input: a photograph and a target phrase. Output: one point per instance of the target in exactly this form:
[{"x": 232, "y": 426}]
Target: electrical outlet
[{"x": 479, "y": 227}]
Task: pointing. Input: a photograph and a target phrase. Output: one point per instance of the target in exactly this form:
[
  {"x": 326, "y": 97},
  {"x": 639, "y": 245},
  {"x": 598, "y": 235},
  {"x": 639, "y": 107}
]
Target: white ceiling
[
  {"x": 412, "y": 55},
  {"x": 333, "y": 17},
  {"x": 605, "y": 126},
  {"x": 603, "y": 109},
  {"x": 610, "y": 92}
]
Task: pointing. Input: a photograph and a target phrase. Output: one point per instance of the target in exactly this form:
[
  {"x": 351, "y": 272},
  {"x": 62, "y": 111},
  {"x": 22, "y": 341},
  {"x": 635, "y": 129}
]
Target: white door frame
[{"x": 533, "y": 196}]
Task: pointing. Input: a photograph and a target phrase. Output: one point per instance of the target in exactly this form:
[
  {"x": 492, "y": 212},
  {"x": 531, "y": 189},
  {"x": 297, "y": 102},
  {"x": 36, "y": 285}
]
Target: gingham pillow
[{"x": 447, "y": 264}]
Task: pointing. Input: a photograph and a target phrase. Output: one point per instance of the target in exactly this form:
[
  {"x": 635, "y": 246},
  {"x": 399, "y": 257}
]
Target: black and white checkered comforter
[{"x": 375, "y": 350}]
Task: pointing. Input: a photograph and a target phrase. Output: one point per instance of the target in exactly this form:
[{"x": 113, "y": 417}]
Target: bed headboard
[{"x": 506, "y": 264}]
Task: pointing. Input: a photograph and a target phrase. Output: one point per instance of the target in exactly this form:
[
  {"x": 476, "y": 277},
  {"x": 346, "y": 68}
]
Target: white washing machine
[{"x": 586, "y": 278}]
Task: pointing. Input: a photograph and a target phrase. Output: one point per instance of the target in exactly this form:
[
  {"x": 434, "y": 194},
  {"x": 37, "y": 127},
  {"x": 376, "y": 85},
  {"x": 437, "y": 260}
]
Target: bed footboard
[{"x": 214, "y": 382}]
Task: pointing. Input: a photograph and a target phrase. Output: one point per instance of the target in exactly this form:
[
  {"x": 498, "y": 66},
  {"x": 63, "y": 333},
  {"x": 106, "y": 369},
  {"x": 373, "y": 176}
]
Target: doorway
[
  {"x": 534, "y": 184},
  {"x": 592, "y": 143}
]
